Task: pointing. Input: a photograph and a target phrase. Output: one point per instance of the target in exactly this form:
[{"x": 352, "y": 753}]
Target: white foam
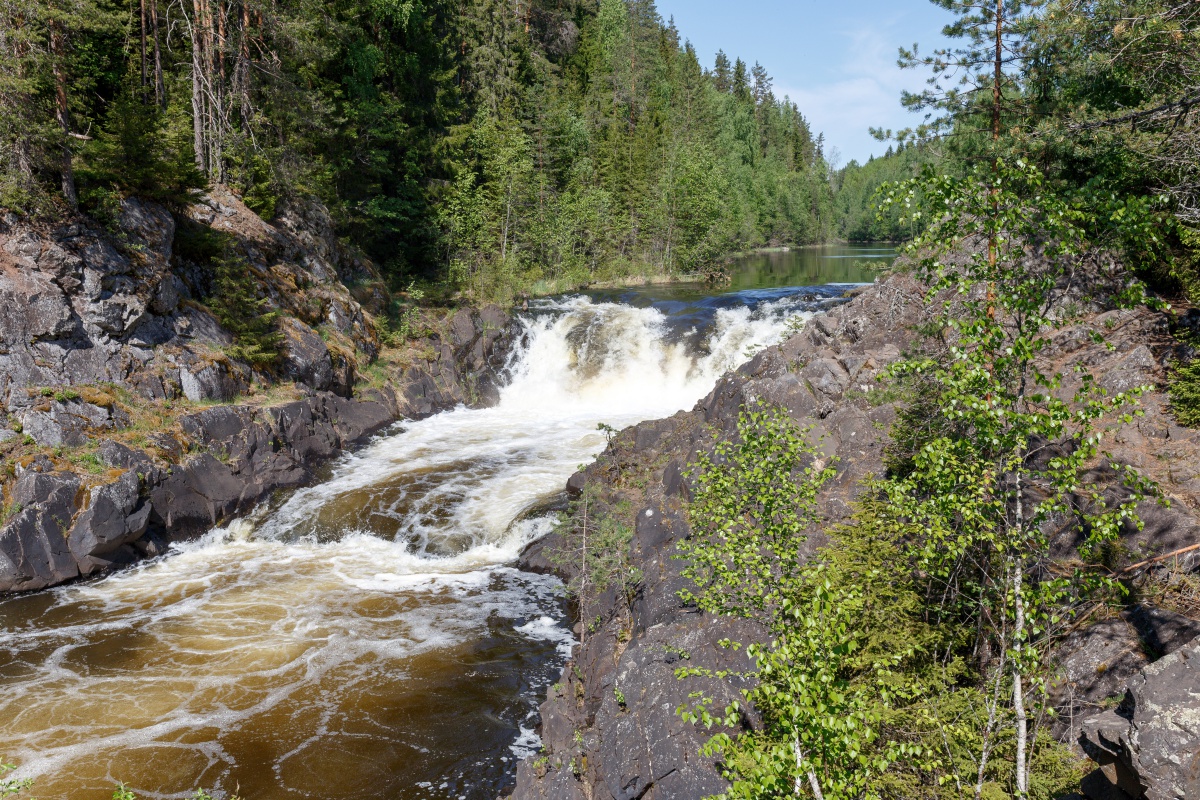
[
  {"x": 527, "y": 744},
  {"x": 549, "y": 629}
]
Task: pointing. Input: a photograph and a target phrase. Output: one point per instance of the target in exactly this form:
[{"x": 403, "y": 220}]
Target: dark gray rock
[
  {"x": 1104, "y": 784},
  {"x": 639, "y": 748},
  {"x": 305, "y": 356},
  {"x": 33, "y": 553},
  {"x": 199, "y": 494},
  {"x": 33, "y": 544},
  {"x": 576, "y": 484},
  {"x": 32, "y": 307},
  {"x": 67, "y": 423},
  {"x": 462, "y": 328},
  {"x": 115, "y": 516},
  {"x": 1163, "y": 631},
  {"x": 117, "y": 456},
  {"x": 211, "y": 380},
  {"x": 1094, "y": 666},
  {"x": 1148, "y": 747},
  {"x": 355, "y": 420}
]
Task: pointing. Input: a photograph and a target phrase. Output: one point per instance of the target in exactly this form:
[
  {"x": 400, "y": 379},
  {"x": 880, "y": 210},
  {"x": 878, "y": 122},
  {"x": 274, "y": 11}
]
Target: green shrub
[
  {"x": 862, "y": 687},
  {"x": 1184, "y": 390},
  {"x": 134, "y": 154},
  {"x": 593, "y": 543},
  {"x": 401, "y": 324},
  {"x": 10, "y": 787}
]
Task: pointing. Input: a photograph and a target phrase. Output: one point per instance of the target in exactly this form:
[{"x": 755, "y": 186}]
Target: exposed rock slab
[{"x": 1147, "y": 748}]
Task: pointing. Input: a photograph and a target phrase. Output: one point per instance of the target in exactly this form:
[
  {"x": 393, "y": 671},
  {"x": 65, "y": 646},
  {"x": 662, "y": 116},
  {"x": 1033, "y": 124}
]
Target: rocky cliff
[
  {"x": 610, "y": 727},
  {"x": 125, "y": 421}
]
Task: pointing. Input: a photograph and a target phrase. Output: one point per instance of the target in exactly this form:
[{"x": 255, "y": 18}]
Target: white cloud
[{"x": 866, "y": 95}]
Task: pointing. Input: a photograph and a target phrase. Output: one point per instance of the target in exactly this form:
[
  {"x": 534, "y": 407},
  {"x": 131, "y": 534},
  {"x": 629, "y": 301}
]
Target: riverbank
[
  {"x": 178, "y": 469},
  {"x": 610, "y": 727},
  {"x": 371, "y": 624}
]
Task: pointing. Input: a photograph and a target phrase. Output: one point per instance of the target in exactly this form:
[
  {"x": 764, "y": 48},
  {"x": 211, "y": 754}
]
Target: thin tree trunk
[
  {"x": 507, "y": 218},
  {"x": 21, "y": 144},
  {"x": 997, "y": 96},
  {"x": 23, "y": 161},
  {"x": 219, "y": 106},
  {"x": 160, "y": 89},
  {"x": 62, "y": 112},
  {"x": 1019, "y": 694},
  {"x": 1018, "y": 642},
  {"x": 813, "y": 783},
  {"x": 211, "y": 86},
  {"x": 199, "y": 115},
  {"x": 142, "y": 50},
  {"x": 993, "y": 706},
  {"x": 242, "y": 71}
]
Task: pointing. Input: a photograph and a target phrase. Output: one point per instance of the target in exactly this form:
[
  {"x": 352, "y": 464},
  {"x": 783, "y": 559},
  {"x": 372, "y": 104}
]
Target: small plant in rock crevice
[{"x": 592, "y": 544}]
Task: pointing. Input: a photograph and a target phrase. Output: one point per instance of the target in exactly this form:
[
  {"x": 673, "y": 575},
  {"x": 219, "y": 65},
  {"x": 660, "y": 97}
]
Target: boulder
[
  {"x": 1163, "y": 631},
  {"x": 1150, "y": 746},
  {"x": 32, "y": 307},
  {"x": 1093, "y": 666},
  {"x": 33, "y": 543},
  {"x": 196, "y": 496},
  {"x": 306, "y": 359},
  {"x": 210, "y": 380},
  {"x": 115, "y": 516},
  {"x": 67, "y": 422}
]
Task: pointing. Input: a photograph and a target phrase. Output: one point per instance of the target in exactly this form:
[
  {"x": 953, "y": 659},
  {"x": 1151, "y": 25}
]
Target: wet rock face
[
  {"x": 466, "y": 367},
  {"x": 33, "y": 544},
  {"x": 227, "y": 459},
  {"x": 115, "y": 517},
  {"x": 66, "y": 525},
  {"x": 1147, "y": 748}
]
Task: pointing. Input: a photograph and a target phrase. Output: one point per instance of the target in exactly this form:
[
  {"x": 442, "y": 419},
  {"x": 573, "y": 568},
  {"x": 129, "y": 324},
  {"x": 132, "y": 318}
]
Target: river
[{"x": 369, "y": 638}]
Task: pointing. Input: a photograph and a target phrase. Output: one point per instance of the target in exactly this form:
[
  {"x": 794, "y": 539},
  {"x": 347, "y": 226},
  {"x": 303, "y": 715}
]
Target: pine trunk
[
  {"x": 62, "y": 112},
  {"x": 199, "y": 114},
  {"x": 160, "y": 89},
  {"x": 997, "y": 95},
  {"x": 142, "y": 52}
]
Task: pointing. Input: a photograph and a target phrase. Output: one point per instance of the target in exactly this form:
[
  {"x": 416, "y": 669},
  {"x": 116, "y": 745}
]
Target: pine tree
[{"x": 722, "y": 73}]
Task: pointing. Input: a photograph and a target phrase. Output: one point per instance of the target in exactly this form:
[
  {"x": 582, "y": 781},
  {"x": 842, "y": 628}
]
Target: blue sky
[{"x": 835, "y": 58}]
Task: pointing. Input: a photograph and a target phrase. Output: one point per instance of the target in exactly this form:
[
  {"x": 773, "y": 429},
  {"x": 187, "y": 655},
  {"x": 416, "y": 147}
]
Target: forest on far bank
[{"x": 492, "y": 145}]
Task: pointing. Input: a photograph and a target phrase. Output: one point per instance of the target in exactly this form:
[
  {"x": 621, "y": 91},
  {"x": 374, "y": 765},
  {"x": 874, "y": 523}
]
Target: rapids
[{"x": 367, "y": 638}]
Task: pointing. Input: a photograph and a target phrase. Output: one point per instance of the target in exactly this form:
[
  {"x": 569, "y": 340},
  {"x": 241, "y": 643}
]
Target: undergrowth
[{"x": 592, "y": 543}]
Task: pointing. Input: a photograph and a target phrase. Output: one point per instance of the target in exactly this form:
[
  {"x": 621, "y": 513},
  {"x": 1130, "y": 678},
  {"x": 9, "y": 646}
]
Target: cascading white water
[{"x": 366, "y": 639}]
